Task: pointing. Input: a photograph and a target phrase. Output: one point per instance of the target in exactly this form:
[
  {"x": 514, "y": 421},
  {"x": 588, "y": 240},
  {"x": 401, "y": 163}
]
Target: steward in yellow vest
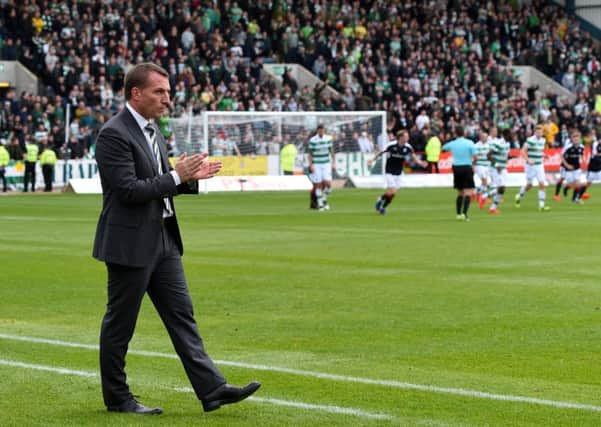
[
  {"x": 31, "y": 157},
  {"x": 48, "y": 160},
  {"x": 4, "y": 159},
  {"x": 433, "y": 148},
  {"x": 287, "y": 159}
]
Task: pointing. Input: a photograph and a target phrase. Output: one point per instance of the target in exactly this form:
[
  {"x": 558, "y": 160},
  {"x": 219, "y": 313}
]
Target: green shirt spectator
[
  {"x": 206, "y": 21},
  {"x": 59, "y": 113},
  {"x": 214, "y": 16},
  {"x": 533, "y": 21},
  {"x": 235, "y": 13},
  {"x": 306, "y": 31},
  {"x": 495, "y": 48},
  {"x": 384, "y": 85},
  {"x": 226, "y": 104},
  {"x": 165, "y": 126}
]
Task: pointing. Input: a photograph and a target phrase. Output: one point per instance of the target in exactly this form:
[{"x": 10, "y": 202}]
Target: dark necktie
[{"x": 157, "y": 156}]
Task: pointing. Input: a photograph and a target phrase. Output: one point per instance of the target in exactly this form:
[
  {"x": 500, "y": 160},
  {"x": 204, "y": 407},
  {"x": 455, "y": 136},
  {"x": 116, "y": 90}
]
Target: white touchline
[
  {"x": 289, "y": 403},
  {"x": 335, "y": 377},
  {"x": 302, "y": 405},
  {"x": 54, "y": 369}
]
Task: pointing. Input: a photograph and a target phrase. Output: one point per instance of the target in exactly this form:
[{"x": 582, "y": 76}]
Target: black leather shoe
[
  {"x": 135, "y": 407},
  {"x": 228, "y": 394}
]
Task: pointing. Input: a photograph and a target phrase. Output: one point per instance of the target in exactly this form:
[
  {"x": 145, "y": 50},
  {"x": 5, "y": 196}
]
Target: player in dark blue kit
[
  {"x": 572, "y": 160},
  {"x": 397, "y": 155}
]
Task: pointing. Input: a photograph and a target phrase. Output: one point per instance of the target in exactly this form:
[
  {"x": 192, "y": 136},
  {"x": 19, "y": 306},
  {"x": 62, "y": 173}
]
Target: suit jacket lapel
[{"x": 139, "y": 137}]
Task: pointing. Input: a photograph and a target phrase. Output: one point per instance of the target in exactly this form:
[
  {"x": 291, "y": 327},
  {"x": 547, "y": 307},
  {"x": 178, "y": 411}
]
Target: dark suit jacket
[{"x": 129, "y": 227}]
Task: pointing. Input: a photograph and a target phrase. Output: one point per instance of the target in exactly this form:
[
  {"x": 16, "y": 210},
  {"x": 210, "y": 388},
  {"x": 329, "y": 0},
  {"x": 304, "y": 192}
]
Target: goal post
[{"x": 249, "y": 143}]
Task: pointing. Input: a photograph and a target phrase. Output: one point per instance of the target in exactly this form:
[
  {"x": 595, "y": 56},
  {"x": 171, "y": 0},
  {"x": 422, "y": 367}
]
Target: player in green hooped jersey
[
  {"x": 498, "y": 156},
  {"x": 321, "y": 154},
  {"x": 533, "y": 152},
  {"x": 482, "y": 168}
]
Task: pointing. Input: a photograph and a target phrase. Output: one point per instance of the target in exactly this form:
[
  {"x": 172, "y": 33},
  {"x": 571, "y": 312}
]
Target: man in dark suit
[{"x": 139, "y": 240}]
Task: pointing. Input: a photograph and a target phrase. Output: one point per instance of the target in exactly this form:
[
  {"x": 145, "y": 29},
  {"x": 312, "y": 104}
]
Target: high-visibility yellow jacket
[{"x": 48, "y": 157}]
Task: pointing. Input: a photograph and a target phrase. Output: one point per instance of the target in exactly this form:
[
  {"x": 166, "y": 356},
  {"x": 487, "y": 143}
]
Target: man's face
[
  {"x": 321, "y": 131},
  {"x": 538, "y": 132},
  {"x": 575, "y": 137},
  {"x": 152, "y": 101}
]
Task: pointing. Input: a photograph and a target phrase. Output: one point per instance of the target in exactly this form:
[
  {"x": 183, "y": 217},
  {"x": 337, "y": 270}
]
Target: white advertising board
[{"x": 256, "y": 183}]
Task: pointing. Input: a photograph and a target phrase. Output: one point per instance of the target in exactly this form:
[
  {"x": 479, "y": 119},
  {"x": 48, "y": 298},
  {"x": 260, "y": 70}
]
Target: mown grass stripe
[
  {"x": 278, "y": 402},
  {"x": 336, "y": 377}
]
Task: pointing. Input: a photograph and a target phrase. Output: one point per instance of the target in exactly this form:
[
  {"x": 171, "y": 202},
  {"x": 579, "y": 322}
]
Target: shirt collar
[{"x": 142, "y": 122}]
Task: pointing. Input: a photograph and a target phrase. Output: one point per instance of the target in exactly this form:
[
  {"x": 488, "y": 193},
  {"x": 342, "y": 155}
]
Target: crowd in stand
[{"x": 432, "y": 65}]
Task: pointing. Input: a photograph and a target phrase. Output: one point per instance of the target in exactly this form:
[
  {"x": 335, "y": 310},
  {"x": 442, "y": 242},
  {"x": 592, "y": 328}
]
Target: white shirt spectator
[
  {"x": 422, "y": 120},
  {"x": 51, "y": 59},
  {"x": 365, "y": 143},
  {"x": 74, "y": 127},
  {"x": 476, "y": 47},
  {"x": 106, "y": 94},
  {"x": 99, "y": 56},
  {"x": 581, "y": 109},
  {"x": 40, "y": 136},
  {"x": 218, "y": 146},
  {"x": 67, "y": 32},
  {"x": 187, "y": 39},
  {"x": 415, "y": 84},
  {"x": 292, "y": 105},
  {"x": 319, "y": 66},
  {"x": 544, "y": 112},
  {"x": 349, "y": 98},
  {"x": 569, "y": 79}
]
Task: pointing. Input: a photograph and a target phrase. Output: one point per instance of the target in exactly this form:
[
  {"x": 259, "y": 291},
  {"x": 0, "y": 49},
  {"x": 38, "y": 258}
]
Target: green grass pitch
[{"x": 407, "y": 319}]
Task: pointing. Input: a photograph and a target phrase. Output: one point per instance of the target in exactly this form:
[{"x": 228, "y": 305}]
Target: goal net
[{"x": 257, "y": 137}]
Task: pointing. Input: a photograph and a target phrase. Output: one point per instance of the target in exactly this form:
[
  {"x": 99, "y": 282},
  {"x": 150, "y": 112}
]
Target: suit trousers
[{"x": 164, "y": 281}]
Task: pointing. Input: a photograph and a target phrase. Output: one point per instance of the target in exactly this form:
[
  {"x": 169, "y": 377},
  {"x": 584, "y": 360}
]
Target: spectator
[
  {"x": 550, "y": 131},
  {"x": 14, "y": 149},
  {"x": 366, "y": 145},
  {"x": 41, "y": 135},
  {"x": 75, "y": 148},
  {"x": 452, "y": 62},
  {"x": 422, "y": 120}
]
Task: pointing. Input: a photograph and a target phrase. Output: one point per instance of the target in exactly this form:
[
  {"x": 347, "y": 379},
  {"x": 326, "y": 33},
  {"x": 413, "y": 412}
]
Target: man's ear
[{"x": 135, "y": 93}]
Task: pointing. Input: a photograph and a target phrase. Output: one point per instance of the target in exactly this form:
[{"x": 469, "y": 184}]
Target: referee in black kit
[{"x": 463, "y": 151}]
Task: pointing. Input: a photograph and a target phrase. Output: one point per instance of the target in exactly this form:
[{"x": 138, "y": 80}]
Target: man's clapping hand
[
  {"x": 196, "y": 167},
  {"x": 207, "y": 169}
]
